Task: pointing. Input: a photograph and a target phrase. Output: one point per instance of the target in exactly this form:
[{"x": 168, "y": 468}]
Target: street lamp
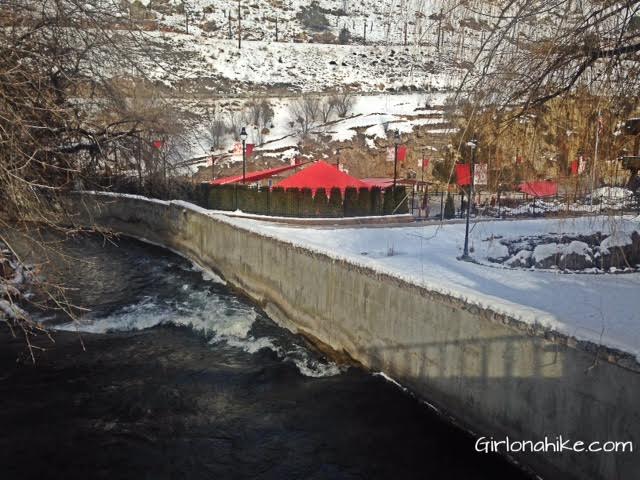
[
  {"x": 396, "y": 141},
  {"x": 473, "y": 144},
  {"x": 243, "y": 137}
]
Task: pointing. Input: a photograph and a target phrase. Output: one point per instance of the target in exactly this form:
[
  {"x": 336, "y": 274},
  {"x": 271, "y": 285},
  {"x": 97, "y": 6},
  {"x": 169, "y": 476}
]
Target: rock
[
  {"x": 546, "y": 255},
  {"x": 635, "y": 248},
  {"x": 497, "y": 252},
  {"x": 576, "y": 256},
  {"x": 522, "y": 259},
  {"x": 617, "y": 251}
]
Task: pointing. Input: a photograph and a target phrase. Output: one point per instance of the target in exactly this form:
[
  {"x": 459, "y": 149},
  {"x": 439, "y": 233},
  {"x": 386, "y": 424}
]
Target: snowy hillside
[{"x": 310, "y": 46}]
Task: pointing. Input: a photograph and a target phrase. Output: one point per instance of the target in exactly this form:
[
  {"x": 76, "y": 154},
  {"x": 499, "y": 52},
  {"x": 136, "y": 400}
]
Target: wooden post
[
  {"x": 239, "y": 28},
  {"x": 405, "y": 33},
  {"x": 364, "y": 41}
]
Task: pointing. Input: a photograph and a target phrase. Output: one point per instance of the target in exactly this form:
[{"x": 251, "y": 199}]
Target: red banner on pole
[
  {"x": 574, "y": 167},
  {"x": 158, "y": 144},
  {"x": 425, "y": 162},
  {"x": 463, "y": 174},
  {"x": 249, "y": 149},
  {"x": 402, "y": 153}
]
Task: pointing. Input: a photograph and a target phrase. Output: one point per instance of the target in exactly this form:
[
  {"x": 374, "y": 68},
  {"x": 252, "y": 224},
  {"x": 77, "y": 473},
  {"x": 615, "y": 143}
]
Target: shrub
[
  {"x": 278, "y": 201},
  {"x": 313, "y": 17},
  {"x": 294, "y": 199},
  {"x": 222, "y": 197},
  {"x": 344, "y": 36},
  {"x": 395, "y": 204},
  {"x": 449, "y": 207},
  {"x": 363, "y": 206},
  {"x": 321, "y": 203},
  {"x": 306, "y": 203},
  {"x": 376, "y": 200},
  {"x": 351, "y": 202},
  {"x": 335, "y": 203}
]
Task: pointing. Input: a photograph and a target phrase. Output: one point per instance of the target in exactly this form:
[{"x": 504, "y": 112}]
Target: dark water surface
[{"x": 183, "y": 379}]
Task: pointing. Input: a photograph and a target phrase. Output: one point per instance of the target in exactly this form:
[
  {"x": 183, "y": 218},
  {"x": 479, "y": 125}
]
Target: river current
[{"x": 180, "y": 377}]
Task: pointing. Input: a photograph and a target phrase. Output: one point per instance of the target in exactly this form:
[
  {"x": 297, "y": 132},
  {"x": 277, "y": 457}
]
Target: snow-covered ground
[{"x": 600, "y": 308}]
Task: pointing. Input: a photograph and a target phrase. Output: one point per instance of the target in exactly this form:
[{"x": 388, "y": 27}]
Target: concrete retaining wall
[{"x": 494, "y": 375}]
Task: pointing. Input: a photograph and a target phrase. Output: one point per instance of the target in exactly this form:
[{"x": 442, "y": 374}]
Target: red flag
[
  {"x": 574, "y": 167},
  {"x": 402, "y": 153},
  {"x": 463, "y": 174},
  {"x": 249, "y": 149},
  {"x": 425, "y": 162},
  {"x": 158, "y": 144}
]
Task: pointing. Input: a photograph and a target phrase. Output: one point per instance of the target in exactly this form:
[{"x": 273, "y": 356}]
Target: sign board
[
  {"x": 480, "y": 174},
  {"x": 391, "y": 154}
]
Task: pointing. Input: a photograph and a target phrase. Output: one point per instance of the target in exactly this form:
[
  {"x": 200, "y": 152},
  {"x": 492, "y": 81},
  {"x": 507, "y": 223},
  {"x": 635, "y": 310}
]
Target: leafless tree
[
  {"x": 66, "y": 115},
  {"x": 216, "y": 128},
  {"x": 326, "y": 109},
  {"x": 343, "y": 103},
  {"x": 588, "y": 44},
  {"x": 305, "y": 111}
]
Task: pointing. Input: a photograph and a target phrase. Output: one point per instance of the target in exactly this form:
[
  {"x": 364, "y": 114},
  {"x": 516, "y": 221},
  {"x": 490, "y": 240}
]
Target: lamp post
[
  {"x": 243, "y": 137},
  {"x": 396, "y": 141},
  {"x": 473, "y": 144}
]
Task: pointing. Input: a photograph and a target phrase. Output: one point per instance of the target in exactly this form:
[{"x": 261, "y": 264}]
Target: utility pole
[
  {"x": 230, "y": 34},
  {"x": 276, "y": 29},
  {"x": 239, "y": 28}
]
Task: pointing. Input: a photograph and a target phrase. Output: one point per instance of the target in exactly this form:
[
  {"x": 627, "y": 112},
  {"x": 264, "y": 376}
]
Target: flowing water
[{"x": 183, "y": 378}]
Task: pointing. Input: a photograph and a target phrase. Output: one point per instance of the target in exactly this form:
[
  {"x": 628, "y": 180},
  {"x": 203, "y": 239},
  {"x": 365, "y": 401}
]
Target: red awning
[
  {"x": 539, "y": 189},
  {"x": 254, "y": 176},
  {"x": 321, "y": 175}
]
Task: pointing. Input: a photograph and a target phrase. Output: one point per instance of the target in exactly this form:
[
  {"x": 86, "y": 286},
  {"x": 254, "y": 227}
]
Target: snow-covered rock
[
  {"x": 522, "y": 259},
  {"x": 616, "y": 239},
  {"x": 546, "y": 255},
  {"x": 497, "y": 252},
  {"x": 620, "y": 250},
  {"x": 576, "y": 256}
]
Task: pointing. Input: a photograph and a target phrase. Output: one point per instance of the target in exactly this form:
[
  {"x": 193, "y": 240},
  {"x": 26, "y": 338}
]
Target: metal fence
[{"x": 451, "y": 205}]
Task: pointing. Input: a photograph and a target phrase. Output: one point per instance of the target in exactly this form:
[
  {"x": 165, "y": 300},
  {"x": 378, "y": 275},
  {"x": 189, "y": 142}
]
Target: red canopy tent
[
  {"x": 254, "y": 176},
  {"x": 539, "y": 189},
  {"x": 322, "y": 175}
]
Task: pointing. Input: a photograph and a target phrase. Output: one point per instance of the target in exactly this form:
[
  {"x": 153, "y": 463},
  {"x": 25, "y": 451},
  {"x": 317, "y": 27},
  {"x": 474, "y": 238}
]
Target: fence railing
[{"x": 447, "y": 205}]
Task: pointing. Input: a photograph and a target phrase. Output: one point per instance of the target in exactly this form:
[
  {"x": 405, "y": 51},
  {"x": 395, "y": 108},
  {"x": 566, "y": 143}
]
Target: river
[{"x": 181, "y": 377}]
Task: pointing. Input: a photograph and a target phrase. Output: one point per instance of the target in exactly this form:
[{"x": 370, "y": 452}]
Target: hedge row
[
  {"x": 277, "y": 202},
  {"x": 301, "y": 203}
]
